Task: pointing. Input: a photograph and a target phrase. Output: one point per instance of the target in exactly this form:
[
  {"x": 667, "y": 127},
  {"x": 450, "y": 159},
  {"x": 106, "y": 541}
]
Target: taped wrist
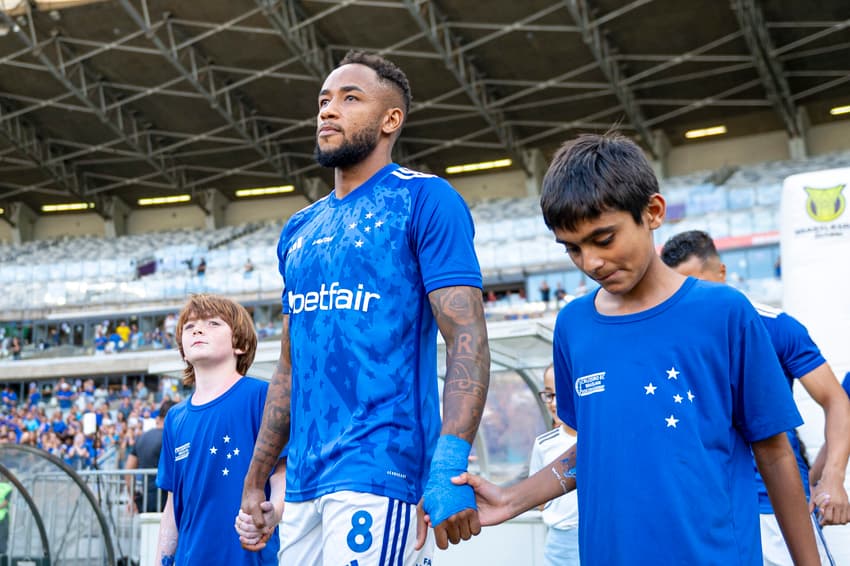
[{"x": 442, "y": 498}]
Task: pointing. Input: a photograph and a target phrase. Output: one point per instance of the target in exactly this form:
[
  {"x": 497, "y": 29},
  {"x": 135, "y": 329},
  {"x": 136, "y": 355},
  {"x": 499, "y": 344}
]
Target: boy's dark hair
[
  {"x": 594, "y": 174},
  {"x": 204, "y": 305},
  {"x": 387, "y": 71},
  {"x": 681, "y": 247}
]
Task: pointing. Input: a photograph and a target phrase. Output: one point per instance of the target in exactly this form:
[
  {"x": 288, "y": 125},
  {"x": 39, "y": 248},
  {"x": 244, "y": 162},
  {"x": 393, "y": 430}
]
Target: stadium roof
[{"x": 134, "y": 98}]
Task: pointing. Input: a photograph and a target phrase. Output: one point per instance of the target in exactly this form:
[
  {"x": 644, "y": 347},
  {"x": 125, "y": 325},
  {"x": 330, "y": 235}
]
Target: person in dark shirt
[{"x": 145, "y": 454}]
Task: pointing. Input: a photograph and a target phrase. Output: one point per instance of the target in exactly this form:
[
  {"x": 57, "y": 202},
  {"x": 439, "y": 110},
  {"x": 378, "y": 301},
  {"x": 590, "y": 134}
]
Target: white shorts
[
  {"x": 774, "y": 549},
  {"x": 348, "y": 528}
]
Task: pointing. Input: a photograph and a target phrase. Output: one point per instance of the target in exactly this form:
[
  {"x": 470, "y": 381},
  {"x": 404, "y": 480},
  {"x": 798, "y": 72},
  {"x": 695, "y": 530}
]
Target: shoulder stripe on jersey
[
  {"x": 767, "y": 310},
  {"x": 548, "y": 436},
  {"x": 407, "y": 174}
]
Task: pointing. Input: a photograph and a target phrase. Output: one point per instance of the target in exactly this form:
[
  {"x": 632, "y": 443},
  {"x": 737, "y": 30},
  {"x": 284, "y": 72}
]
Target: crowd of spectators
[{"x": 51, "y": 418}]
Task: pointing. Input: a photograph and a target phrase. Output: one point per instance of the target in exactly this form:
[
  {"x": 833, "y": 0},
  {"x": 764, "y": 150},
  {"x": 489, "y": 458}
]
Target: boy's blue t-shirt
[
  {"x": 798, "y": 355},
  {"x": 206, "y": 450},
  {"x": 667, "y": 402},
  {"x": 357, "y": 272}
]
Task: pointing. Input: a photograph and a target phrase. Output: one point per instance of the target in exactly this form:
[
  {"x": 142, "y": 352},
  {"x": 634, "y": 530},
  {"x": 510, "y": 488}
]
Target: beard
[{"x": 351, "y": 152}]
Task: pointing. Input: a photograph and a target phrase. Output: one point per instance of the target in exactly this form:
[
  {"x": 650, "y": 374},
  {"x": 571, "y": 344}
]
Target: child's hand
[{"x": 251, "y": 537}]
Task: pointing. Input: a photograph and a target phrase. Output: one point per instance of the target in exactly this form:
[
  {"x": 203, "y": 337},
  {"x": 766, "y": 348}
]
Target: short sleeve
[
  {"x": 762, "y": 402},
  {"x": 536, "y": 460},
  {"x": 798, "y": 353},
  {"x": 564, "y": 391},
  {"x": 442, "y": 237},
  {"x": 165, "y": 469}
]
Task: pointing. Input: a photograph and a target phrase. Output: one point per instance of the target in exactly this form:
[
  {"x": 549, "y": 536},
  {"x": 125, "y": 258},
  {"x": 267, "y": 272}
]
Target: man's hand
[
  {"x": 830, "y": 499},
  {"x": 463, "y": 525},
  {"x": 251, "y": 536},
  {"x": 252, "y": 505}
]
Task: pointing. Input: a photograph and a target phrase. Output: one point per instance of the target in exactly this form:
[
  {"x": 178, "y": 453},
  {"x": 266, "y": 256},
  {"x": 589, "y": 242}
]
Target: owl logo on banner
[{"x": 825, "y": 205}]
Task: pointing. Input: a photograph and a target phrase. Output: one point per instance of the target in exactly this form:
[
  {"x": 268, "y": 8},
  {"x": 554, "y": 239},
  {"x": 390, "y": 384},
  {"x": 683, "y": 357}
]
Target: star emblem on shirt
[
  {"x": 358, "y": 244},
  {"x": 367, "y": 229},
  {"x": 672, "y": 373},
  {"x": 691, "y": 396},
  {"x": 671, "y": 421},
  {"x": 229, "y": 456},
  {"x": 236, "y": 452},
  {"x": 213, "y": 450},
  {"x": 379, "y": 223},
  {"x": 369, "y": 215},
  {"x": 225, "y": 472},
  {"x": 226, "y": 439},
  {"x": 650, "y": 389},
  {"x": 677, "y": 398},
  {"x": 352, "y": 226}
]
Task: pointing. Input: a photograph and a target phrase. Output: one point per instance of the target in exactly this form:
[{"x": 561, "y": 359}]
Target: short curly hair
[{"x": 387, "y": 71}]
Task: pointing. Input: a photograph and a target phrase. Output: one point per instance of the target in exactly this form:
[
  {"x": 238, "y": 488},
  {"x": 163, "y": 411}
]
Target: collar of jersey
[
  {"x": 648, "y": 313},
  {"x": 365, "y": 188}
]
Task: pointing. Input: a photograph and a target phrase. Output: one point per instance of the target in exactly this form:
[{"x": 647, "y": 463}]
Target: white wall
[
  {"x": 5, "y": 232},
  {"x": 475, "y": 188},
  {"x": 708, "y": 155},
  {"x": 260, "y": 209},
  {"x": 64, "y": 224},
  {"x": 161, "y": 218}
]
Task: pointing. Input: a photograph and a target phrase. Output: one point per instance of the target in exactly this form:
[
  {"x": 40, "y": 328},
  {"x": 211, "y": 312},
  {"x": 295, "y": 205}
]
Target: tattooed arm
[
  {"x": 274, "y": 432},
  {"x": 498, "y": 504},
  {"x": 459, "y": 312}
]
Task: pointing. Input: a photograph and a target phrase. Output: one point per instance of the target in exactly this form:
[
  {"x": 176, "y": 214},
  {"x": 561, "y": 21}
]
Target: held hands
[
  {"x": 256, "y": 520},
  {"x": 251, "y": 536},
  {"x": 449, "y": 506},
  {"x": 830, "y": 500}
]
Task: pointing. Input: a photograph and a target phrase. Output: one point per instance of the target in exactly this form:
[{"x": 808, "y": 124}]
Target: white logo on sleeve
[{"x": 590, "y": 384}]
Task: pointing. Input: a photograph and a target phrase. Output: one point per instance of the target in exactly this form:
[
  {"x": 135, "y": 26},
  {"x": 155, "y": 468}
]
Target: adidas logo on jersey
[{"x": 331, "y": 298}]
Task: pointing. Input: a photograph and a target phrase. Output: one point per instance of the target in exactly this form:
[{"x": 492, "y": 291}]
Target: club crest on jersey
[
  {"x": 182, "y": 452},
  {"x": 825, "y": 204},
  {"x": 590, "y": 384}
]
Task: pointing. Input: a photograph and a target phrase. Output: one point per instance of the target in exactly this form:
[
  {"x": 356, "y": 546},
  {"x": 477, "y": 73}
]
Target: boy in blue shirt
[
  {"x": 693, "y": 253},
  {"x": 669, "y": 382},
  {"x": 207, "y": 441}
]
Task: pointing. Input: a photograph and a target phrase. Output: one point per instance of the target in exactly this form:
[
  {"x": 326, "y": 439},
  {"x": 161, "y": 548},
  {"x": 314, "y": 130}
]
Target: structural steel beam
[
  {"x": 88, "y": 88},
  {"x": 26, "y": 138},
  {"x": 770, "y": 70},
  {"x": 234, "y": 107},
  {"x": 432, "y": 22},
  {"x": 604, "y": 52}
]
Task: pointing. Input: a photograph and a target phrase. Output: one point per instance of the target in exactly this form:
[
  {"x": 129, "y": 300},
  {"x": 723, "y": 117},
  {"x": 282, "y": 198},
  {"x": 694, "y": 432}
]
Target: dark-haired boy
[
  {"x": 371, "y": 271},
  {"x": 669, "y": 381}
]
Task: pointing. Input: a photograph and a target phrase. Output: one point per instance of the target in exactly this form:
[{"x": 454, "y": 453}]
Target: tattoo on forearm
[
  {"x": 459, "y": 313},
  {"x": 274, "y": 430}
]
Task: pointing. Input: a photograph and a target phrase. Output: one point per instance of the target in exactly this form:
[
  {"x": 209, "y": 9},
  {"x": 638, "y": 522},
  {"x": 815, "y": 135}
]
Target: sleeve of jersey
[
  {"x": 165, "y": 469},
  {"x": 536, "y": 460},
  {"x": 564, "y": 394},
  {"x": 282, "y": 246},
  {"x": 801, "y": 353},
  {"x": 442, "y": 233},
  {"x": 762, "y": 402}
]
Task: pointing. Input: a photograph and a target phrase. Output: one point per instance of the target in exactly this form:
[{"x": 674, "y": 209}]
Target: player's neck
[
  {"x": 212, "y": 382},
  {"x": 349, "y": 178},
  {"x": 657, "y": 284}
]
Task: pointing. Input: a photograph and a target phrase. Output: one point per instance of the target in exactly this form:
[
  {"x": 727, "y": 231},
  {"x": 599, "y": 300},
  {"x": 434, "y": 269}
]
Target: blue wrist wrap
[{"x": 442, "y": 498}]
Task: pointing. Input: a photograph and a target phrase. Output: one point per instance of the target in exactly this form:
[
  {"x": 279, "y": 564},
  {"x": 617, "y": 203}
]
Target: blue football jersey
[
  {"x": 666, "y": 403},
  {"x": 206, "y": 450},
  {"x": 357, "y": 272},
  {"x": 798, "y": 355}
]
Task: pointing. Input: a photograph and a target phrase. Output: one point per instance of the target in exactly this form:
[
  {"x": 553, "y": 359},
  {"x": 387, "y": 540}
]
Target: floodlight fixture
[
  {"x": 173, "y": 199},
  {"x": 482, "y": 166},
  {"x": 261, "y": 191},
  {"x": 705, "y": 132}
]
